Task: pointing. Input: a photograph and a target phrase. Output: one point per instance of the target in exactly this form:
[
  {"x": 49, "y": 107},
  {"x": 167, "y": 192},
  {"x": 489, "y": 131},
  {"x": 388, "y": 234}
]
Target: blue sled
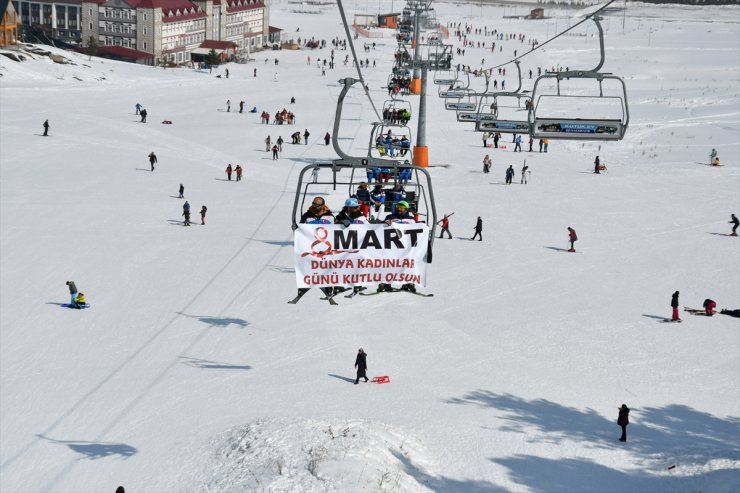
[{"x": 67, "y": 305}]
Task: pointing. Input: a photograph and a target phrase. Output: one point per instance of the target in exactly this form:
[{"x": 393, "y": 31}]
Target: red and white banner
[{"x": 360, "y": 254}]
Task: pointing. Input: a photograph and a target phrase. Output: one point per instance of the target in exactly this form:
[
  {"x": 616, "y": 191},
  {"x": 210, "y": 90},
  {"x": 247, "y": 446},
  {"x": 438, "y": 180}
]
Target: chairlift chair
[{"x": 390, "y": 141}]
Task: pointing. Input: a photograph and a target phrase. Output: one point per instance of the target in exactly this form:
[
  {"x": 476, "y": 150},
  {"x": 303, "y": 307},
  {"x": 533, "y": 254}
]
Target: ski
[
  {"x": 669, "y": 320},
  {"x": 297, "y": 298},
  {"x": 357, "y": 290},
  {"x": 394, "y": 290}
]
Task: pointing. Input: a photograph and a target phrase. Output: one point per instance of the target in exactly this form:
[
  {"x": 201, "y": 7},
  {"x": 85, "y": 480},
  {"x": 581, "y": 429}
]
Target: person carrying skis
[
  {"x": 327, "y": 138},
  {"x": 445, "y": 224},
  {"x": 229, "y": 170},
  {"x": 572, "y": 237},
  {"x": 509, "y": 174},
  {"x": 361, "y": 365},
  {"x": 709, "y": 306},
  {"x": 674, "y": 306},
  {"x": 203, "y": 210},
  {"x": 597, "y": 165},
  {"x": 238, "y": 170},
  {"x": 305, "y": 136},
  {"x": 478, "y": 229},
  {"x": 735, "y": 222},
  {"x": 186, "y": 213},
  {"x": 182, "y": 191},
  {"x": 72, "y": 291},
  {"x": 79, "y": 301},
  {"x": 623, "y": 420},
  {"x": 46, "y": 128},
  {"x": 152, "y": 159}
]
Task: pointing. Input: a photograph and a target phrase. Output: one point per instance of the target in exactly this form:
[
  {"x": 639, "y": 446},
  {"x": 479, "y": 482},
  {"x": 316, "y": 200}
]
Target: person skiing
[
  {"x": 361, "y": 365},
  {"x": 572, "y": 237},
  {"x": 525, "y": 168},
  {"x": 186, "y": 213},
  {"x": 79, "y": 301},
  {"x": 709, "y": 306},
  {"x": 509, "y": 174},
  {"x": 72, "y": 291},
  {"x": 152, "y": 159},
  {"x": 327, "y": 138},
  {"x": 268, "y": 144},
  {"x": 274, "y": 152},
  {"x": 142, "y": 113},
  {"x": 445, "y": 223},
  {"x": 478, "y": 229},
  {"x": 305, "y": 136},
  {"x": 597, "y": 165},
  {"x": 203, "y": 210},
  {"x": 46, "y": 128},
  {"x": 182, "y": 191},
  {"x": 238, "y": 170},
  {"x": 487, "y": 164},
  {"x": 229, "y": 170},
  {"x": 735, "y": 222},
  {"x": 674, "y": 306},
  {"x": 623, "y": 420}
]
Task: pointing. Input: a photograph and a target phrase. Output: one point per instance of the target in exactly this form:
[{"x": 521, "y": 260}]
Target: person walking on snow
[
  {"x": 445, "y": 223},
  {"x": 203, "y": 210},
  {"x": 305, "y": 136},
  {"x": 186, "y": 213},
  {"x": 229, "y": 169},
  {"x": 525, "y": 169},
  {"x": 72, "y": 291},
  {"x": 361, "y": 365},
  {"x": 228, "y": 105},
  {"x": 241, "y": 106},
  {"x": 487, "y": 164},
  {"x": 238, "y": 170},
  {"x": 623, "y": 420},
  {"x": 279, "y": 143},
  {"x": 268, "y": 142},
  {"x": 327, "y": 138},
  {"x": 138, "y": 108},
  {"x": 518, "y": 144},
  {"x": 478, "y": 229},
  {"x": 152, "y": 159},
  {"x": 274, "y": 152},
  {"x": 674, "y": 306},
  {"x": 509, "y": 174},
  {"x": 735, "y": 222},
  {"x": 46, "y": 128},
  {"x": 597, "y": 165},
  {"x": 142, "y": 113},
  {"x": 572, "y": 238},
  {"x": 182, "y": 191}
]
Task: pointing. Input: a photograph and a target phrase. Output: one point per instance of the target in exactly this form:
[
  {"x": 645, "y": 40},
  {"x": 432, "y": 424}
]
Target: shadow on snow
[{"x": 96, "y": 450}]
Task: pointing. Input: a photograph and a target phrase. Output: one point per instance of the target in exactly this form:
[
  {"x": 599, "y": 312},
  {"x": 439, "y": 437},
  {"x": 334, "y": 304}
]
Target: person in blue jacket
[{"x": 377, "y": 196}]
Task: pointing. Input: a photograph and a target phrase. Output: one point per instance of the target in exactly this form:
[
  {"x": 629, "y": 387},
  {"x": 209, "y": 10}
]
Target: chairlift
[
  {"x": 400, "y": 107},
  {"x": 457, "y": 89},
  {"x": 553, "y": 117},
  {"x": 505, "y": 121},
  {"x": 445, "y": 77},
  {"x": 390, "y": 141},
  {"x": 469, "y": 104}
]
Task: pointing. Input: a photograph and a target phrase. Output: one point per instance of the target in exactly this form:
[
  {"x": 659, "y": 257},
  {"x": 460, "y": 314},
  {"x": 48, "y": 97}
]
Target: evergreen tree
[{"x": 92, "y": 46}]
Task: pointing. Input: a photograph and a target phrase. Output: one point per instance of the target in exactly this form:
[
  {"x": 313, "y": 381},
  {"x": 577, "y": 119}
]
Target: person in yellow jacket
[{"x": 80, "y": 301}]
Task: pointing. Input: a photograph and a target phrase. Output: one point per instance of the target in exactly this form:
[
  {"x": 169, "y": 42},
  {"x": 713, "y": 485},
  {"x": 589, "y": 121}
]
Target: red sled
[
  {"x": 502, "y": 147},
  {"x": 601, "y": 167},
  {"x": 381, "y": 379}
]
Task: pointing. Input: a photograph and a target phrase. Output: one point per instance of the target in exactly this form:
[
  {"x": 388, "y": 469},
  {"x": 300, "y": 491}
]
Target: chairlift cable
[
  {"x": 354, "y": 56},
  {"x": 540, "y": 45}
]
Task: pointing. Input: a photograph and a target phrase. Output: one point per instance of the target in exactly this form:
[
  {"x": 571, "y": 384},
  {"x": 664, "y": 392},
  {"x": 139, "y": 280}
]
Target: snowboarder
[
  {"x": 623, "y": 420},
  {"x": 229, "y": 170},
  {"x": 572, "y": 238},
  {"x": 509, "y": 174},
  {"x": 79, "y": 301},
  {"x": 72, "y": 291},
  {"x": 305, "y": 136},
  {"x": 46, "y": 128},
  {"x": 445, "y": 223},
  {"x": 182, "y": 191},
  {"x": 735, "y": 222},
  {"x": 238, "y": 170},
  {"x": 327, "y": 138},
  {"x": 143, "y": 115},
  {"x": 203, "y": 210},
  {"x": 525, "y": 169},
  {"x": 487, "y": 164},
  {"x": 361, "y": 365},
  {"x": 709, "y": 306},
  {"x": 478, "y": 229},
  {"x": 597, "y": 166},
  {"x": 186, "y": 213},
  {"x": 268, "y": 142},
  {"x": 274, "y": 152},
  {"x": 152, "y": 159},
  {"x": 674, "y": 305}
]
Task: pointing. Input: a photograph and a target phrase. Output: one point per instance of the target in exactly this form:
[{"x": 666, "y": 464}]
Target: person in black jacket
[
  {"x": 623, "y": 420},
  {"x": 735, "y": 223},
  {"x": 674, "y": 305},
  {"x": 46, "y": 128},
  {"x": 478, "y": 229},
  {"x": 361, "y": 365}
]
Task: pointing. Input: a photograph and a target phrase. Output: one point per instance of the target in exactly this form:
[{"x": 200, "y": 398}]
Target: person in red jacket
[
  {"x": 229, "y": 169},
  {"x": 709, "y": 306},
  {"x": 445, "y": 223},
  {"x": 572, "y": 237}
]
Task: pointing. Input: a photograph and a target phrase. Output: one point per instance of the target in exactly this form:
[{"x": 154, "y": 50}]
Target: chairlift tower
[{"x": 417, "y": 6}]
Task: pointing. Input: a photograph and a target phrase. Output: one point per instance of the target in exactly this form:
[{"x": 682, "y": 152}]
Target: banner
[{"x": 360, "y": 254}]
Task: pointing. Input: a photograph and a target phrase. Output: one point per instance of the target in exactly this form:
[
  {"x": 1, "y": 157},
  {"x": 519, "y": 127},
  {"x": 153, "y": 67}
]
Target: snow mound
[{"x": 310, "y": 456}]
